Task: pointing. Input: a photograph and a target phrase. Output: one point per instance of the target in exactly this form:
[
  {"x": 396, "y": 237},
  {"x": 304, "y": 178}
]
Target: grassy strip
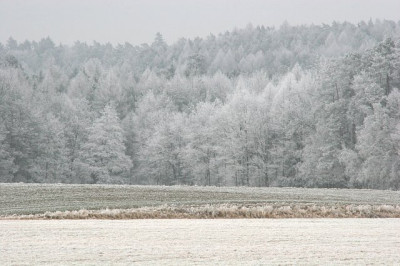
[
  {"x": 224, "y": 211},
  {"x": 25, "y": 199}
]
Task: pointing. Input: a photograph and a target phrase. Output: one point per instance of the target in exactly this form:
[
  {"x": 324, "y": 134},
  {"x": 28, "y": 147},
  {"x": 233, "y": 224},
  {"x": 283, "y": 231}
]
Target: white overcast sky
[{"x": 137, "y": 21}]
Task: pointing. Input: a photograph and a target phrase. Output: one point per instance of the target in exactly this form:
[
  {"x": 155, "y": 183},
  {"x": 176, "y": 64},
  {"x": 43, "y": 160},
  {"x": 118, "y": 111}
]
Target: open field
[
  {"x": 196, "y": 241},
  {"x": 213, "y": 242},
  {"x": 44, "y": 201}
]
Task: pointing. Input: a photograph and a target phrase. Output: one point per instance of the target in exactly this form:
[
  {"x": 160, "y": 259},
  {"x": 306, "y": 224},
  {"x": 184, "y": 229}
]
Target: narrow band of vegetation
[
  {"x": 224, "y": 211},
  {"x": 34, "y": 201}
]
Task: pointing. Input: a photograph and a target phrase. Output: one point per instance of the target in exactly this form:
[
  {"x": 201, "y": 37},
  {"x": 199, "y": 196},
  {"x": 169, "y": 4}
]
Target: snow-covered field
[
  {"x": 178, "y": 242},
  {"x": 196, "y": 241}
]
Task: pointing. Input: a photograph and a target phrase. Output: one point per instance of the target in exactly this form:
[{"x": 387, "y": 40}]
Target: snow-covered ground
[{"x": 235, "y": 241}]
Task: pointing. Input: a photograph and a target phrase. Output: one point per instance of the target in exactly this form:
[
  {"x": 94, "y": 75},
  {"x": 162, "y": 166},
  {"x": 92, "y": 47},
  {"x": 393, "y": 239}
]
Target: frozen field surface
[
  {"x": 26, "y": 199},
  {"x": 213, "y": 242}
]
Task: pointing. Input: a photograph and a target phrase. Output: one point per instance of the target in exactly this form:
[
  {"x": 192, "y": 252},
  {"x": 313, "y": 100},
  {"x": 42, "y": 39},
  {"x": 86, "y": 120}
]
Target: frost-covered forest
[{"x": 313, "y": 106}]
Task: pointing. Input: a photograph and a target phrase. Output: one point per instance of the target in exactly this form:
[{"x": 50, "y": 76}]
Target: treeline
[
  {"x": 107, "y": 115},
  {"x": 272, "y": 50}
]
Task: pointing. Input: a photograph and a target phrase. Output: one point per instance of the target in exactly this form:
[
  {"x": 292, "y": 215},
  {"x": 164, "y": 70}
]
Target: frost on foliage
[
  {"x": 104, "y": 153},
  {"x": 7, "y": 167},
  {"x": 378, "y": 151},
  {"x": 252, "y": 107}
]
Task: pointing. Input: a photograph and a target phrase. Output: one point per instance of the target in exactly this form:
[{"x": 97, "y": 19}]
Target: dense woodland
[{"x": 312, "y": 106}]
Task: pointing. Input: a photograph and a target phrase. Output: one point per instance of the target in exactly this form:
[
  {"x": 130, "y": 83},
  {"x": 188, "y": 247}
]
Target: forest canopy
[{"x": 310, "y": 106}]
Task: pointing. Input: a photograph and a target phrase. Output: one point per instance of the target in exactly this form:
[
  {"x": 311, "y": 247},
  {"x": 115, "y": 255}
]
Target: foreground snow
[{"x": 243, "y": 241}]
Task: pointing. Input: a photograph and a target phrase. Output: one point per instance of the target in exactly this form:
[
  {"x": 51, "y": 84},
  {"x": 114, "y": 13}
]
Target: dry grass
[{"x": 224, "y": 211}]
